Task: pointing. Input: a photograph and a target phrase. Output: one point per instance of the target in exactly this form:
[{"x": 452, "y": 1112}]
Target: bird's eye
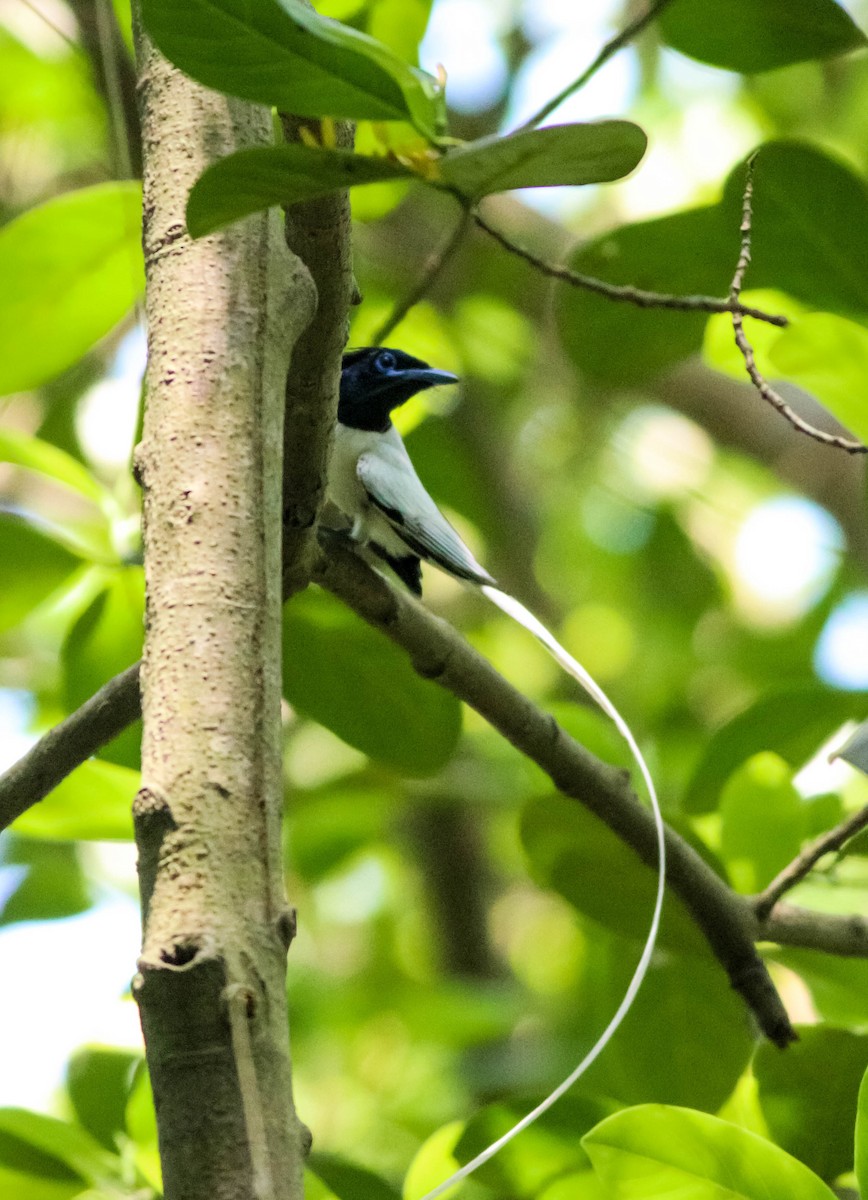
[{"x": 385, "y": 361}]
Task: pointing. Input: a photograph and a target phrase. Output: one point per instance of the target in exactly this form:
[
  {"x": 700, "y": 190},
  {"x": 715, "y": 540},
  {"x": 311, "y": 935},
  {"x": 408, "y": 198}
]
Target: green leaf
[
  {"x": 98, "y": 1083},
  {"x": 763, "y": 821},
  {"x": 559, "y": 154},
  {"x": 861, "y": 1148},
  {"x": 685, "y": 1006},
  {"x": 53, "y": 884},
  {"x": 259, "y": 177},
  {"x": 548, "y": 1150},
  {"x": 759, "y": 35},
  {"x": 838, "y": 986},
  {"x": 809, "y": 1095},
  {"x": 105, "y": 640},
  {"x": 141, "y": 1122},
  {"x": 327, "y": 829},
  {"x": 793, "y": 723},
  {"x": 350, "y": 678},
  {"x": 575, "y": 853},
  {"x": 69, "y": 270},
  {"x": 827, "y": 355},
  {"x": 348, "y": 1181},
  {"x": 39, "y": 1145},
  {"x": 281, "y": 53},
  {"x": 94, "y": 803},
  {"x": 653, "y": 1150},
  {"x": 36, "y": 455},
  {"x": 690, "y": 252},
  {"x": 810, "y": 239},
  {"x": 34, "y": 566}
]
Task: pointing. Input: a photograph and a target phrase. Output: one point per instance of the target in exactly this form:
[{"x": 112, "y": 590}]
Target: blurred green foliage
[{"x": 465, "y": 934}]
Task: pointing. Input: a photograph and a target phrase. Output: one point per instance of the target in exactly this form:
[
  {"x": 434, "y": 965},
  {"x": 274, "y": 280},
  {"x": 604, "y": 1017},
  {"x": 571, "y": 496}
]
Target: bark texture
[
  {"x": 223, "y": 315},
  {"x": 319, "y": 232}
]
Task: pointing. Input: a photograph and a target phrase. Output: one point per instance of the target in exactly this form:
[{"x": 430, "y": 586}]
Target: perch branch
[
  {"x": 738, "y": 312},
  {"x": 437, "y": 651}
]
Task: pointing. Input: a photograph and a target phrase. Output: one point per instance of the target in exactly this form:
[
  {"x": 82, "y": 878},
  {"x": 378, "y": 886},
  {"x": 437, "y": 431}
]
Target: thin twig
[
  {"x": 626, "y": 292},
  {"x": 759, "y": 381},
  {"x": 627, "y": 34},
  {"x": 57, "y": 753},
  {"x": 435, "y": 264},
  {"x": 794, "y": 872}
]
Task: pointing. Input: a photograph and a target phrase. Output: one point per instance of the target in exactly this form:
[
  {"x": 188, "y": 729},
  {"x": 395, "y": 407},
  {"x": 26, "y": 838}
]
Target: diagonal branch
[
  {"x": 437, "y": 260},
  {"x": 438, "y": 652},
  {"x": 57, "y": 753},
  {"x": 795, "y": 872},
  {"x": 728, "y": 921},
  {"x": 768, "y": 393},
  {"x": 611, "y": 48},
  {"x": 626, "y": 293}
]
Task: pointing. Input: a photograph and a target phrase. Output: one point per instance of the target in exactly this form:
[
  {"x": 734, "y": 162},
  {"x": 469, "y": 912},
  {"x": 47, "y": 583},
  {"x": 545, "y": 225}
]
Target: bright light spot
[
  {"x": 357, "y": 895},
  {"x": 669, "y": 455},
  {"x": 589, "y": 25},
  {"x": 785, "y": 553},
  {"x": 463, "y": 36},
  {"x": 552, "y": 66},
  {"x": 79, "y": 968},
  {"x": 40, "y": 25},
  {"x": 824, "y": 772},
  {"x": 108, "y": 413},
  {"x": 841, "y": 656}
]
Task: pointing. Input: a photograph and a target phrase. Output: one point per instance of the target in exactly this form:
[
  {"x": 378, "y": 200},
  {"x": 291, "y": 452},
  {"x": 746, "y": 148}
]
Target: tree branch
[
  {"x": 626, "y": 293},
  {"x": 437, "y": 260},
  {"x": 791, "y": 926},
  {"x": 59, "y": 751},
  {"x": 627, "y": 34},
  {"x": 318, "y": 231},
  {"x": 768, "y": 393},
  {"x": 795, "y": 872},
  {"x": 223, "y": 315},
  {"x": 437, "y": 651}
]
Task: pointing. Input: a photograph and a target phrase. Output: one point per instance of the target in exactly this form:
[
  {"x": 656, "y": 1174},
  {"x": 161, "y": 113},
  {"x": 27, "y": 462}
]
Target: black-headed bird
[{"x": 374, "y": 483}]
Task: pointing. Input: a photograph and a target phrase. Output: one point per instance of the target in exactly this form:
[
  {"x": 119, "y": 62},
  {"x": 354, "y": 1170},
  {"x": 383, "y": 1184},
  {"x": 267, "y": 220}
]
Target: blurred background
[{"x": 464, "y": 935}]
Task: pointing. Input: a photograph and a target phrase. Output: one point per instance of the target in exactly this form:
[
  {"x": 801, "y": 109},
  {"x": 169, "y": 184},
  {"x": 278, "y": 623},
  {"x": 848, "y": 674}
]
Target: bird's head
[{"x": 375, "y": 380}]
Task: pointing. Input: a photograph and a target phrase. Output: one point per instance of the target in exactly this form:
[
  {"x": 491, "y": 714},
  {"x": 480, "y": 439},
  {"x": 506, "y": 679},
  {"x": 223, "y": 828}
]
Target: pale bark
[{"x": 223, "y": 315}]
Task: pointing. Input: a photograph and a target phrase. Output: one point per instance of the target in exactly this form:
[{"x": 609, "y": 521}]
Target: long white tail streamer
[{"x": 509, "y": 605}]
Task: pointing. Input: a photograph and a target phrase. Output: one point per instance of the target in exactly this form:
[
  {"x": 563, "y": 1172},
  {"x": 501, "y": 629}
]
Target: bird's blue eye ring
[{"x": 385, "y": 361}]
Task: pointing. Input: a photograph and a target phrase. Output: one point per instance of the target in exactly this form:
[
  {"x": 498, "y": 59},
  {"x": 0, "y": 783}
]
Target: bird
[{"x": 372, "y": 480}]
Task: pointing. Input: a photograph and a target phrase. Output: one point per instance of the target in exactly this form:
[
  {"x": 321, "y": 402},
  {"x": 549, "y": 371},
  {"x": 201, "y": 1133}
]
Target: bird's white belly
[{"x": 346, "y": 492}]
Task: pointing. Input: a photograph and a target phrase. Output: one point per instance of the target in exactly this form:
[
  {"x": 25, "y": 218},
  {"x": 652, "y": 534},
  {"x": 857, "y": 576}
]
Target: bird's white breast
[{"x": 345, "y": 489}]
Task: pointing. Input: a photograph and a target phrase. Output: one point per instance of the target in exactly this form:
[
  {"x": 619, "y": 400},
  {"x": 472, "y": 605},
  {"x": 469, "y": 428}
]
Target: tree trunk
[{"x": 223, "y": 315}]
